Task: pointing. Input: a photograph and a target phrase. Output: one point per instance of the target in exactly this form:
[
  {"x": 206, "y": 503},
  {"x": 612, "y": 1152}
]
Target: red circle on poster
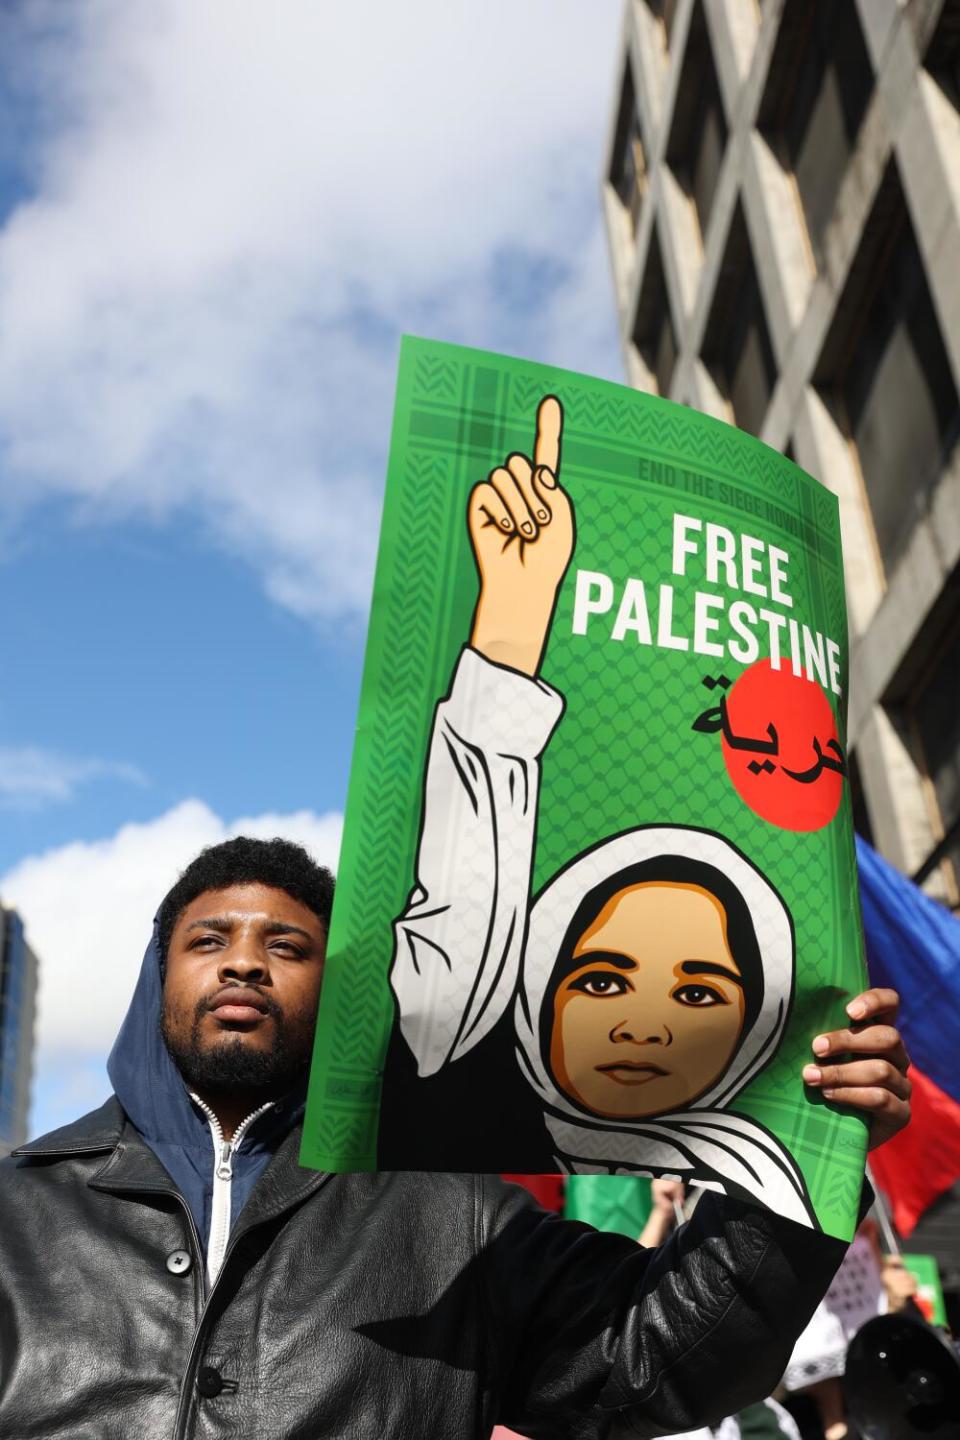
[{"x": 781, "y": 748}]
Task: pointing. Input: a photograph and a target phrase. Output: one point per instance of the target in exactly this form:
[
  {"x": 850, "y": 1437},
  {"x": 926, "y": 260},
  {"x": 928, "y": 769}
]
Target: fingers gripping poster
[{"x": 597, "y": 889}]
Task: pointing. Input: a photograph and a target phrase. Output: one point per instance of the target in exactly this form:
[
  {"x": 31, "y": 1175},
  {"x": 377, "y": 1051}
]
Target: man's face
[{"x": 242, "y": 983}]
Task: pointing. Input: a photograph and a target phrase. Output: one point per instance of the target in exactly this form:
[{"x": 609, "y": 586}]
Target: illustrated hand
[
  {"x": 874, "y": 1076},
  {"x": 522, "y": 531}
]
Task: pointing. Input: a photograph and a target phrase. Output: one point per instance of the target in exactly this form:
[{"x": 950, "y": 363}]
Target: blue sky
[
  {"x": 147, "y": 645},
  {"x": 215, "y": 224}
]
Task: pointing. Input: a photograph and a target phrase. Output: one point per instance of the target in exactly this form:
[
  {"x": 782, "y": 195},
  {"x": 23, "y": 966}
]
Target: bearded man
[{"x": 167, "y": 1269}]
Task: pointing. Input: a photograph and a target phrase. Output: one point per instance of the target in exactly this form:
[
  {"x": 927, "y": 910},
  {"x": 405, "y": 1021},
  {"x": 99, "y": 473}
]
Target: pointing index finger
[{"x": 546, "y": 450}]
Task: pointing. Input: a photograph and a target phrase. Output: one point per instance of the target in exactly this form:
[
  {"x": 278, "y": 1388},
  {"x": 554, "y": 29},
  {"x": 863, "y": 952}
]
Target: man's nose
[
  {"x": 642, "y": 1030},
  {"x": 244, "y": 960}
]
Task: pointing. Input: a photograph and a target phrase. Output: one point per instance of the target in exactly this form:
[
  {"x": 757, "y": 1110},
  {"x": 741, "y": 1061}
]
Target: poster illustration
[{"x": 597, "y": 890}]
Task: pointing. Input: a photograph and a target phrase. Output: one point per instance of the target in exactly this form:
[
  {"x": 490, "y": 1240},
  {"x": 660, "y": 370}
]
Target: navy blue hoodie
[{"x": 150, "y": 1088}]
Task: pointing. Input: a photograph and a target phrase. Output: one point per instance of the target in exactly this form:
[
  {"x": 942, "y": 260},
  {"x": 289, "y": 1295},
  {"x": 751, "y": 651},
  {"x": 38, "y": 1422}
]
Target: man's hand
[
  {"x": 873, "y": 1077},
  {"x": 521, "y": 528}
]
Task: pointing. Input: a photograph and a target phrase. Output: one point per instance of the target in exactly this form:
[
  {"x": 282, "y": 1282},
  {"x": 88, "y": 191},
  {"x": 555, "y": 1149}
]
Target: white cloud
[
  {"x": 31, "y": 777},
  {"x": 237, "y": 208},
  {"x": 88, "y": 909}
]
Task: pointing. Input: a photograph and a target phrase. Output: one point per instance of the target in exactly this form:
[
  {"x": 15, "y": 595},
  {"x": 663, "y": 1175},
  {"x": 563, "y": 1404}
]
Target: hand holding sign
[
  {"x": 522, "y": 532},
  {"x": 869, "y": 1064}
]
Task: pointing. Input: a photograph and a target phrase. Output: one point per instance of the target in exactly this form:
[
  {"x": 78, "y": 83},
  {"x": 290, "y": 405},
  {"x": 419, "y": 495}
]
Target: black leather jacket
[{"x": 372, "y": 1306}]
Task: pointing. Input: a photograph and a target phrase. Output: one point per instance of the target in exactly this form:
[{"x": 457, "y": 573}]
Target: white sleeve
[{"x": 458, "y": 943}]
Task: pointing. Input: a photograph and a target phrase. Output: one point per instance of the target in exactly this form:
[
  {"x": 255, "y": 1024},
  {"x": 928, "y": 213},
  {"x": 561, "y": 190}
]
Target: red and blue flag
[{"x": 913, "y": 945}]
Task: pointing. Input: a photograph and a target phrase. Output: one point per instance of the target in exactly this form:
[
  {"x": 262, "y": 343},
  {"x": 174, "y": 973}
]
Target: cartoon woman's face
[{"x": 652, "y": 1015}]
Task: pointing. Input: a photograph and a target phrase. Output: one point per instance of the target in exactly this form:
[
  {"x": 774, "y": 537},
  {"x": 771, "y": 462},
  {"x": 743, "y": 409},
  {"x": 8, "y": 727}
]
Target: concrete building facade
[
  {"x": 18, "y": 991},
  {"x": 782, "y": 200}
]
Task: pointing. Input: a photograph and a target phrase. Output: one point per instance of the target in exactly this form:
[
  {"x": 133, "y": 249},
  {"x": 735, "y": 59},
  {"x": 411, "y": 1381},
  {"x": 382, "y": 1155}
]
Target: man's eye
[
  {"x": 699, "y": 995},
  {"x": 286, "y": 947},
  {"x": 202, "y": 941},
  {"x": 600, "y": 983}
]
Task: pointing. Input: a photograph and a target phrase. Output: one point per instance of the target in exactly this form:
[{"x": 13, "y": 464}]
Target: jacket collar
[
  {"x": 130, "y": 1163},
  {"x": 132, "y": 1166},
  {"x": 99, "y": 1130}
]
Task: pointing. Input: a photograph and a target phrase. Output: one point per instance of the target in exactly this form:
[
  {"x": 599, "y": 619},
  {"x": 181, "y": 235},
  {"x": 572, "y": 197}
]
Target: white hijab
[{"x": 708, "y": 1145}]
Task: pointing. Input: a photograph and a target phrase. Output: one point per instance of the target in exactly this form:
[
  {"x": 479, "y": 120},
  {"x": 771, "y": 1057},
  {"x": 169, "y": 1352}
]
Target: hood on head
[
  {"x": 146, "y": 1080},
  {"x": 153, "y": 1093}
]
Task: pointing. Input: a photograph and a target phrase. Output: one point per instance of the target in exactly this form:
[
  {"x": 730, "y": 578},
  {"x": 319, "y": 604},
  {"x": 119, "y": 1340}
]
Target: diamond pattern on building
[{"x": 792, "y": 268}]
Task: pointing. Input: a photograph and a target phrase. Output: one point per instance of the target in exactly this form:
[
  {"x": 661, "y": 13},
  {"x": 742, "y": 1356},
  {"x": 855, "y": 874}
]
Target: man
[{"x": 168, "y": 1270}]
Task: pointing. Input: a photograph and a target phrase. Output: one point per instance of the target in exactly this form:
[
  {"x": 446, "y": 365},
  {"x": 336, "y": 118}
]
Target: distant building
[
  {"x": 782, "y": 198},
  {"x": 18, "y": 989}
]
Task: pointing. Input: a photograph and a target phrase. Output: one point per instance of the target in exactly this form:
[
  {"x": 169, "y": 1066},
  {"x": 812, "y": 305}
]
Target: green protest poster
[{"x": 597, "y": 888}]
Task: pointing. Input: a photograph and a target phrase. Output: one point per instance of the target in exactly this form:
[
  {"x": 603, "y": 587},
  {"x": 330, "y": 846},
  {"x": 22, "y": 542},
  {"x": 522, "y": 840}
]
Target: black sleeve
[{"x": 593, "y": 1336}]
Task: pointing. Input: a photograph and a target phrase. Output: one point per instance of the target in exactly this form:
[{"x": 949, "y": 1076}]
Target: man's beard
[{"x": 228, "y": 1066}]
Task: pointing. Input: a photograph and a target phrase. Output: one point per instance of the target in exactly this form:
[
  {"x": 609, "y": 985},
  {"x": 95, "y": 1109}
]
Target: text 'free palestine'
[{"x": 710, "y": 623}]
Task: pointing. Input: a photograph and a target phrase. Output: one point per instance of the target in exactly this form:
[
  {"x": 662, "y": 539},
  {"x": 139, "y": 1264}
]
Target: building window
[
  {"x": 885, "y": 372},
  {"x": 817, "y": 90},
  {"x": 664, "y": 12},
  {"x": 653, "y": 331},
  {"x": 736, "y": 344},
  {"x": 942, "y": 59},
  {"x": 698, "y": 132},
  {"x": 933, "y": 712},
  {"x": 628, "y": 170}
]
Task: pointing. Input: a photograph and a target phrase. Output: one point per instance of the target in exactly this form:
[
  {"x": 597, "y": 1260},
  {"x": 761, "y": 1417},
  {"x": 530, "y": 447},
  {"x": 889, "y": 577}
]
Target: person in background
[
  {"x": 668, "y": 1197},
  {"x": 900, "y": 1285},
  {"x": 867, "y": 1284}
]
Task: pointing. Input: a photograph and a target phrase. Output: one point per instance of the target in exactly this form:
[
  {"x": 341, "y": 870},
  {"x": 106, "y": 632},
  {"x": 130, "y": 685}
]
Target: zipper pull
[{"x": 225, "y": 1166}]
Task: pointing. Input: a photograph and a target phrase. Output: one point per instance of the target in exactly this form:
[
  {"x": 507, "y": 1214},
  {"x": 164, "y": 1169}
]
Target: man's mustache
[{"x": 269, "y": 1004}]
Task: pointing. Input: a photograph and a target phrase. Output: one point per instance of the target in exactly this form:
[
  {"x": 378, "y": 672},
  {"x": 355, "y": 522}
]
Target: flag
[
  {"x": 916, "y": 1166},
  {"x": 913, "y": 945},
  {"x": 609, "y": 1202},
  {"x": 546, "y": 1189}
]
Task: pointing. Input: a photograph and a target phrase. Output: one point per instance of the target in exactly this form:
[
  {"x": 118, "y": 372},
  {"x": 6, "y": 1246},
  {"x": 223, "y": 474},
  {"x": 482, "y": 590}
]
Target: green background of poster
[{"x": 629, "y": 462}]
